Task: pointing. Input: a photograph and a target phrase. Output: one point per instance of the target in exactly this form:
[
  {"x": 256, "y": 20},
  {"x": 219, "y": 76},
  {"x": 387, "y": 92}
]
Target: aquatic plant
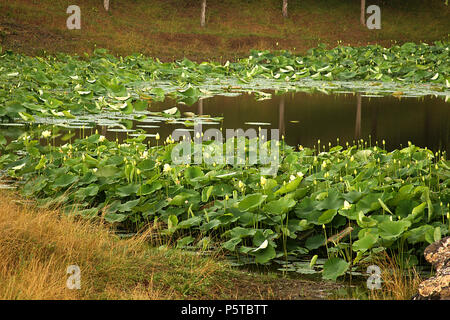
[
  {"x": 65, "y": 86},
  {"x": 345, "y": 203}
]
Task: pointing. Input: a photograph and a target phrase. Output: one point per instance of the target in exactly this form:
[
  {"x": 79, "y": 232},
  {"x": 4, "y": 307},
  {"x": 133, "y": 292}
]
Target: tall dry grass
[
  {"x": 37, "y": 246},
  {"x": 398, "y": 282}
]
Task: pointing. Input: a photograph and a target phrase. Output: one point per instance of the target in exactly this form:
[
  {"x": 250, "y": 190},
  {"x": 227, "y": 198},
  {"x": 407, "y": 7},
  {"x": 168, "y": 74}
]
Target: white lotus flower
[
  {"x": 46, "y": 134},
  {"x": 347, "y": 205},
  {"x": 101, "y": 138},
  {"x": 144, "y": 155},
  {"x": 167, "y": 167}
]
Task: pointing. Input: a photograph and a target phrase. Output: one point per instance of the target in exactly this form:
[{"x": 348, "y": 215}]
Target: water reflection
[
  {"x": 358, "y": 117},
  {"x": 305, "y": 118}
]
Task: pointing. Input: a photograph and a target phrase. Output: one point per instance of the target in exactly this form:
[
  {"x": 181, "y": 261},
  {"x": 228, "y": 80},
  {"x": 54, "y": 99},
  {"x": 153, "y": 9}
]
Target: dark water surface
[{"x": 304, "y": 118}]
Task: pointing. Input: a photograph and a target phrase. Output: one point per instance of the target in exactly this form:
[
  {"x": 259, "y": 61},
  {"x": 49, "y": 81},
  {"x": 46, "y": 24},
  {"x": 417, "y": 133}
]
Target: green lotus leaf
[
  {"x": 334, "y": 268},
  {"x": 251, "y": 202}
]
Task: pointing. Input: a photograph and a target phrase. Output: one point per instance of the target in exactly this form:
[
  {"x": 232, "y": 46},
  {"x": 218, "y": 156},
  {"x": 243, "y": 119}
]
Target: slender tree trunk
[
  {"x": 363, "y": 12},
  {"x": 285, "y": 8},
  {"x": 203, "y": 14},
  {"x": 106, "y": 4}
]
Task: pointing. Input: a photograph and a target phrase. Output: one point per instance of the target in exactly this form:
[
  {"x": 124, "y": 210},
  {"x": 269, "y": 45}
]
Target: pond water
[{"x": 303, "y": 118}]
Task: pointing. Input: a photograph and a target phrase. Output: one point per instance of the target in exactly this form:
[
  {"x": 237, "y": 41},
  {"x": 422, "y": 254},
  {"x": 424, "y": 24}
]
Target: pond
[{"x": 303, "y": 118}]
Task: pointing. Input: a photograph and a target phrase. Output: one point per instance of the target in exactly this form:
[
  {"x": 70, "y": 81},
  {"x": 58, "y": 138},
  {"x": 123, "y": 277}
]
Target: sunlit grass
[{"x": 37, "y": 246}]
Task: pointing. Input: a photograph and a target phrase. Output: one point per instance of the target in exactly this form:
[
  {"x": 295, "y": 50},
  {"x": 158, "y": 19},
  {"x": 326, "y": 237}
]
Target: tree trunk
[
  {"x": 203, "y": 15},
  {"x": 106, "y": 4},
  {"x": 285, "y": 8},
  {"x": 363, "y": 12}
]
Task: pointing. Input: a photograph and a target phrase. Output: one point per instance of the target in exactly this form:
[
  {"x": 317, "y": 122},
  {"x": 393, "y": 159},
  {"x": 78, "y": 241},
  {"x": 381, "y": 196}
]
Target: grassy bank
[
  {"x": 171, "y": 29},
  {"x": 37, "y": 246}
]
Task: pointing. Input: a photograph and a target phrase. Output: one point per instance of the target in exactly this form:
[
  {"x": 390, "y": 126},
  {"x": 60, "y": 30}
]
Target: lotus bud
[{"x": 263, "y": 181}]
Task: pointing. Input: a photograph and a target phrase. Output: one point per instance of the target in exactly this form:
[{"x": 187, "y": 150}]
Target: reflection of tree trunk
[
  {"x": 445, "y": 144},
  {"x": 281, "y": 116},
  {"x": 200, "y": 107},
  {"x": 106, "y": 4},
  {"x": 374, "y": 117},
  {"x": 285, "y": 8},
  {"x": 104, "y": 129},
  {"x": 427, "y": 125},
  {"x": 358, "y": 117},
  {"x": 203, "y": 14},
  {"x": 363, "y": 12}
]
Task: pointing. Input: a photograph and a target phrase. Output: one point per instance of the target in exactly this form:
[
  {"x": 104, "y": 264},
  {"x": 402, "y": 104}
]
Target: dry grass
[
  {"x": 170, "y": 29},
  {"x": 37, "y": 246},
  {"x": 399, "y": 283}
]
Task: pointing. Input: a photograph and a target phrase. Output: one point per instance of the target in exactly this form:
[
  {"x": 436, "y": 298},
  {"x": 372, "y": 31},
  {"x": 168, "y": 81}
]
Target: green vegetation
[
  {"x": 141, "y": 225},
  {"x": 37, "y": 245},
  {"x": 397, "y": 200},
  {"x": 346, "y": 203},
  {"x": 64, "y": 86}
]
